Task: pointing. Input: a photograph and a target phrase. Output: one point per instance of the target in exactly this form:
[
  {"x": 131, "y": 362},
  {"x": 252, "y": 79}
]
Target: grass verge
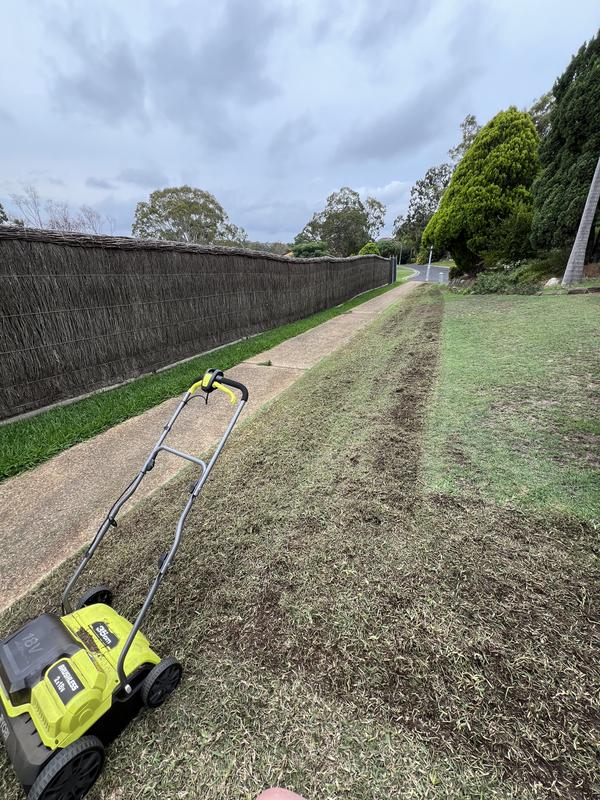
[
  {"x": 344, "y": 634},
  {"x": 26, "y": 443},
  {"x": 514, "y": 417},
  {"x": 402, "y": 273}
]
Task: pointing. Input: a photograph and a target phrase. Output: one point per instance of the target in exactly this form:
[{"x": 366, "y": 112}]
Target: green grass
[
  {"x": 446, "y": 263},
  {"x": 587, "y": 283},
  {"x": 26, "y": 443},
  {"x": 402, "y": 273},
  {"x": 343, "y": 633},
  {"x": 514, "y": 418}
]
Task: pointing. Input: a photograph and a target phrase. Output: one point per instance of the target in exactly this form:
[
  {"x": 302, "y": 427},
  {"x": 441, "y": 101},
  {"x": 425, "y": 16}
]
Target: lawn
[
  {"x": 344, "y": 632},
  {"x": 28, "y": 442},
  {"x": 514, "y": 417}
]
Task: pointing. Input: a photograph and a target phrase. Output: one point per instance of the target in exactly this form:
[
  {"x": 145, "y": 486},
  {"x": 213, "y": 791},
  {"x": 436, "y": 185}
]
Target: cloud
[
  {"x": 391, "y": 192},
  {"x": 108, "y": 80},
  {"x": 197, "y": 77},
  {"x": 421, "y": 119},
  {"x": 99, "y": 183},
  {"x": 387, "y": 19},
  {"x": 405, "y": 129},
  {"x": 146, "y": 177},
  {"x": 277, "y": 219},
  {"x": 291, "y": 136},
  {"x": 118, "y": 214}
]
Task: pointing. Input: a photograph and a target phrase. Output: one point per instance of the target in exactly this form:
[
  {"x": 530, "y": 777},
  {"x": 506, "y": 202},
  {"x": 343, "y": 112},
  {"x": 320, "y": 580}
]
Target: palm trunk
[{"x": 574, "y": 270}]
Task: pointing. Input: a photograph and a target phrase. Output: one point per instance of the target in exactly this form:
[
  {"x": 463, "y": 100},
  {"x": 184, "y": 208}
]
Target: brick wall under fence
[{"x": 78, "y": 313}]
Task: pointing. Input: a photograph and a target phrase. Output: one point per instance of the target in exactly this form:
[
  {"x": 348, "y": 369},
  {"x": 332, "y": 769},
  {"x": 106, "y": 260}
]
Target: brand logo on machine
[
  {"x": 4, "y": 727},
  {"x": 64, "y": 681},
  {"x": 104, "y": 633}
]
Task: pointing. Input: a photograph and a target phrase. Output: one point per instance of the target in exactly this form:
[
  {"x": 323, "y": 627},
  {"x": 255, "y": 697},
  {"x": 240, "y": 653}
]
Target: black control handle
[{"x": 235, "y": 385}]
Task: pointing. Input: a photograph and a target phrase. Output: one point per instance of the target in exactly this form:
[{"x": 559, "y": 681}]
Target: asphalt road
[{"x": 436, "y": 274}]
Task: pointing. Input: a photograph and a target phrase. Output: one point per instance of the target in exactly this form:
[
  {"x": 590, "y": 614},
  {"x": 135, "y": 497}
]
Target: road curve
[{"x": 436, "y": 274}]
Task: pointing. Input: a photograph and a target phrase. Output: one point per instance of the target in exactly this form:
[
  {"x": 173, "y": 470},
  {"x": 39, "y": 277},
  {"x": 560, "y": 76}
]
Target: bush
[
  {"x": 310, "y": 250},
  {"x": 393, "y": 247},
  {"x": 546, "y": 265},
  {"x": 505, "y": 281},
  {"x": 369, "y": 249},
  {"x": 491, "y": 184},
  {"x": 509, "y": 242}
]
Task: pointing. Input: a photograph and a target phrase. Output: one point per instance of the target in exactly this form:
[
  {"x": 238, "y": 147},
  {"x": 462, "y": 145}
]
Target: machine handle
[
  {"x": 215, "y": 379},
  {"x": 235, "y": 385}
]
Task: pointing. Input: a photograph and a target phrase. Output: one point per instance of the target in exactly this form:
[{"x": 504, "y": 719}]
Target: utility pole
[
  {"x": 574, "y": 270},
  {"x": 429, "y": 263},
  {"x": 400, "y": 259}
]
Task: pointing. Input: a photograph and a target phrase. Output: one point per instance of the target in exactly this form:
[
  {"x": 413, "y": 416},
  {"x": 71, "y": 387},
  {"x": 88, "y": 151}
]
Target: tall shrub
[{"x": 491, "y": 182}]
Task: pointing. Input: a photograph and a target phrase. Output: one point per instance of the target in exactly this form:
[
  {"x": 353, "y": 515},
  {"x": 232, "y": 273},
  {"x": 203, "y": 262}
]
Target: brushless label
[
  {"x": 105, "y": 635},
  {"x": 64, "y": 680}
]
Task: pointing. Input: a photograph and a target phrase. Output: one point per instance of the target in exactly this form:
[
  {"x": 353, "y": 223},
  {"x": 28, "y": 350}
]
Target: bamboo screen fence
[{"x": 83, "y": 312}]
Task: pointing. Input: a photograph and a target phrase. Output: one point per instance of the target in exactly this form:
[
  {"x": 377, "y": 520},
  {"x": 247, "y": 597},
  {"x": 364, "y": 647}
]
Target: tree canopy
[
  {"x": 569, "y": 153},
  {"x": 369, "y": 249},
  {"x": 426, "y": 193},
  {"x": 185, "y": 214},
  {"x": 56, "y": 215},
  {"x": 469, "y": 128},
  {"x": 425, "y": 196},
  {"x": 345, "y": 224},
  {"x": 540, "y": 112},
  {"x": 3, "y": 215},
  {"x": 310, "y": 249},
  {"x": 490, "y": 184}
]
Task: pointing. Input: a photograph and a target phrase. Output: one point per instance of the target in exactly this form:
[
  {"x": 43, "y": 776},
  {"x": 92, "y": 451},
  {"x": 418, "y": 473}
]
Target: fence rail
[{"x": 78, "y": 313}]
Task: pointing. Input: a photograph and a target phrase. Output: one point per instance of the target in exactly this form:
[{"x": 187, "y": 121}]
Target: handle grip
[
  {"x": 235, "y": 385},
  {"x": 215, "y": 379}
]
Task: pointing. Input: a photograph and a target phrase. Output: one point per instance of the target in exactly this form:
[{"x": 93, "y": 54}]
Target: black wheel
[
  {"x": 71, "y": 773},
  {"x": 98, "y": 594},
  {"x": 161, "y": 681}
]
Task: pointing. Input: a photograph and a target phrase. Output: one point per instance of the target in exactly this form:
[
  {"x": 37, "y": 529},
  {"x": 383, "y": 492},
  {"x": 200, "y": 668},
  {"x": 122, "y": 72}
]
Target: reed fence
[{"x": 79, "y": 313}]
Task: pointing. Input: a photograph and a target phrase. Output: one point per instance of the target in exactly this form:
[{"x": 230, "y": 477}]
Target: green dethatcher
[{"x": 70, "y": 684}]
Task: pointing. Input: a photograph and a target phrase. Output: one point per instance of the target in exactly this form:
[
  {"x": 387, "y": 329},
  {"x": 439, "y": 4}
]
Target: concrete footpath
[{"x": 48, "y": 513}]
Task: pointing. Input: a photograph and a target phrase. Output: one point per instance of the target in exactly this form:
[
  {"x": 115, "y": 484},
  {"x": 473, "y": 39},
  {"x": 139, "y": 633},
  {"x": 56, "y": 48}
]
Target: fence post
[{"x": 392, "y": 269}]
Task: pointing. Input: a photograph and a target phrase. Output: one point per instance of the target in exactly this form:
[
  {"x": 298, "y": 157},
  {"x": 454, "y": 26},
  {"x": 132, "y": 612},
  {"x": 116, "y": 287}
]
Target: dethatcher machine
[{"x": 70, "y": 684}]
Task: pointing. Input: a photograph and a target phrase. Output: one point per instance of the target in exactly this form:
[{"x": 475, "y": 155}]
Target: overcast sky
[{"x": 270, "y": 105}]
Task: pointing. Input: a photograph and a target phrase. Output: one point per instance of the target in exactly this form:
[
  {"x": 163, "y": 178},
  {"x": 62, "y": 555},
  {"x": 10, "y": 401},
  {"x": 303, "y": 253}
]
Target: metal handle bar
[{"x": 128, "y": 492}]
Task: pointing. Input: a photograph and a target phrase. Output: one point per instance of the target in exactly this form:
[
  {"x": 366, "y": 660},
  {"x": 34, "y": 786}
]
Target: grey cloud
[
  {"x": 388, "y": 19},
  {"x": 117, "y": 213},
  {"x": 421, "y": 119},
  {"x": 203, "y": 86},
  {"x": 197, "y": 78},
  {"x": 99, "y": 183},
  {"x": 291, "y": 136},
  {"x": 143, "y": 176},
  {"x": 273, "y": 219},
  {"x": 109, "y": 81},
  {"x": 408, "y": 128}
]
